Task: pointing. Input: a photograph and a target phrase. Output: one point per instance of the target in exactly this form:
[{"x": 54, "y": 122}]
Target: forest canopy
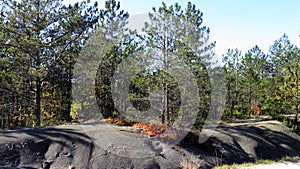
[{"x": 41, "y": 41}]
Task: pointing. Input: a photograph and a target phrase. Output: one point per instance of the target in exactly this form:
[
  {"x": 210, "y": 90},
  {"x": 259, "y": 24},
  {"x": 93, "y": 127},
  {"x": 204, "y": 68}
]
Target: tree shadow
[
  {"x": 30, "y": 146},
  {"x": 215, "y": 151},
  {"x": 268, "y": 144},
  {"x": 232, "y": 144},
  {"x": 56, "y": 134}
]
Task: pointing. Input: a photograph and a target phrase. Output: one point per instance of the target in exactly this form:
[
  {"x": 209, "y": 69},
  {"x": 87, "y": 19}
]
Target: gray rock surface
[{"x": 99, "y": 145}]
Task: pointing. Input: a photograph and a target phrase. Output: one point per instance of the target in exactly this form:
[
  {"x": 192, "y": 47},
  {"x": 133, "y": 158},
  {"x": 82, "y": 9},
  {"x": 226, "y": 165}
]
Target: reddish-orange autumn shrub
[
  {"x": 109, "y": 120},
  {"x": 151, "y": 133},
  {"x": 160, "y": 131},
  {"x": 138, "y": 125},
  {"x": 256, "y": 109},
  {"x": 117, "y": 121},
  {"x": 151, "y": 130}
]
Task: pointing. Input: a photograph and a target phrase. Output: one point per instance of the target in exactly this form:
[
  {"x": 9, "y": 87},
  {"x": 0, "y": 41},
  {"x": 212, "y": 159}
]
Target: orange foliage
[
  {"x": 117, "y": 121},
  {"x": 160, "y": 131},
  {"x": 256, "y": 109},
  {"x": 147, "y": 129},
  {"x": 138, "y": 125},
  {"x": 109, "y": 120},
  {"x": 151, "y": 133}
]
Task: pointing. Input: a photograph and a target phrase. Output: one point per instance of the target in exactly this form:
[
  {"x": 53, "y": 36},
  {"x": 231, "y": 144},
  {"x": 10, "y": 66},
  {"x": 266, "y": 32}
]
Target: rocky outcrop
[{"x": 100, "y": 145}]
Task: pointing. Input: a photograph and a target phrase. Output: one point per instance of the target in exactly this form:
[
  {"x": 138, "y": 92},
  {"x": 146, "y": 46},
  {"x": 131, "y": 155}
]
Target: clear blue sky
[{"x": 237, "y": 23}]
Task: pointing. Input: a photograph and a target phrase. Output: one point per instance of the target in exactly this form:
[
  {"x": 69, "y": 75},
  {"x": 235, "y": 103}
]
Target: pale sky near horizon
[{"x": 238, "y": 24}]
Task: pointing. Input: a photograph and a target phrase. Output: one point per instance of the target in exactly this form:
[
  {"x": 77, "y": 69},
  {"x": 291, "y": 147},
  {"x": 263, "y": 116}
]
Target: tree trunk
[
  {"x": 163, "y": 117},
  {"x": 168, "y": 109},
  {"x": 38, "y": 102},
  {"x": 250, "y": 97},
  {"x": 38, "y": 91},
  {"x": 67, "y": 112},
  {"x": 297, "y": 98}
]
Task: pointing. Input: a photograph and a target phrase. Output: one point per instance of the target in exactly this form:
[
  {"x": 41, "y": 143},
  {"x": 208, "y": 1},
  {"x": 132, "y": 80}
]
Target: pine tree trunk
[
  {"x": 38, "y": 91},
  {"x": 38, "y": 102},
  {"x": 167, "y": 108},
  {"x": 297, "y": 98},
  {"x": 67, "y": 115}
]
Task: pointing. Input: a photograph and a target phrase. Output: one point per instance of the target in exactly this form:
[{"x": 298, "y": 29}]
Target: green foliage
[
  {"x": 113, "y": 22},
  {"x": 73, "y": 112},
  {"x": 40, "y": 41},
  {"x": 268, "y": 81},
  {"x": 184, "y": 38}
]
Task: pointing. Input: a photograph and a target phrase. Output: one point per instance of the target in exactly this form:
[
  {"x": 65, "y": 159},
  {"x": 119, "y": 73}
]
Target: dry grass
[{"x": 191, "y": 162}]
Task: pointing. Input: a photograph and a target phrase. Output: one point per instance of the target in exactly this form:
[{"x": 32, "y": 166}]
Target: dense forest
[
  {"x": 264, "y": 83},
  {"x": 41, "y": 41}
]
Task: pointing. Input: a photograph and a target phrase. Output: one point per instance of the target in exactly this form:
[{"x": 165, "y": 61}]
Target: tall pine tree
[{"x": 43, "y": 38}]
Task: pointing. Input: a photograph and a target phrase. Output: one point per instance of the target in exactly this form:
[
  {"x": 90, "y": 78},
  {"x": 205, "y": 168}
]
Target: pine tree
[
  {"x": 44, "y": 39},
  {"x": 232, "y": 65},
  {"x": 282, "y": 60},
  {"x": 253, "y": 68},
  {"x": 174, "y": 34}
]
